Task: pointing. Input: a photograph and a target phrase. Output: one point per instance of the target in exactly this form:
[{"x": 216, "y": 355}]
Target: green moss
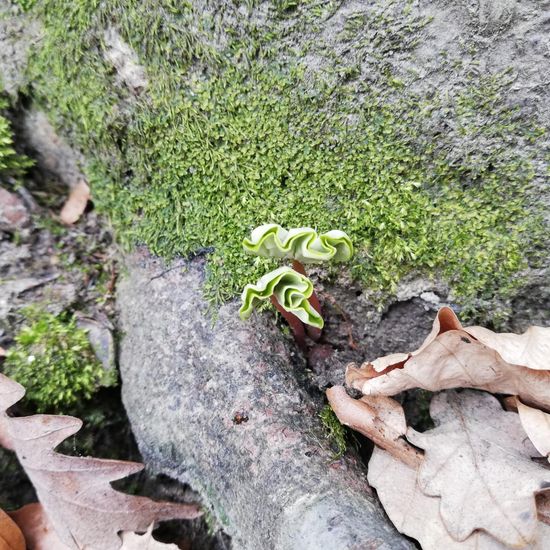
[
  {"x": 25, "y": 5},
  {"x": 12, "y": 165},
  {"x": 225, "y": 139},
  {"x": 55, "y": 363},
  {"x": 335, "y": 431}
]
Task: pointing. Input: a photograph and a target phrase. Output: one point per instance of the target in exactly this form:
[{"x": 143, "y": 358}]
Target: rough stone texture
[
  {"x": 53, "y": 156},
  {"x": 13, "y": 212},
  {"x": 125, "y": 61},
  {"x": 220, "y": 404},
  {"x": 17, "y": 34}
]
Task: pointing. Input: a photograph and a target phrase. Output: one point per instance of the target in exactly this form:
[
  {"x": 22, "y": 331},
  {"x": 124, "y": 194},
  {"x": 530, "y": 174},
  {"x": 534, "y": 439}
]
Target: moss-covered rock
[
  {"x": 12, "y": 165},
  {"x": 299, "y": 113}
]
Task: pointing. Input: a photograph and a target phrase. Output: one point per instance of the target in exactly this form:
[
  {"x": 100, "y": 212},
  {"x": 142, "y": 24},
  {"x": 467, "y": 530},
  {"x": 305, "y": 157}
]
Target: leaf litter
[
  {"x": 480, "y": 478},
  {"x": 78, "y": 507}
]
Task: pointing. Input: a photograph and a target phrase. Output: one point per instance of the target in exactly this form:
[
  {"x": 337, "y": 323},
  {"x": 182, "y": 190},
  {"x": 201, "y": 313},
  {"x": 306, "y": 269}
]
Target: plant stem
[
  {"x": 313, "y": 332},
  {"x": 295, "y": 324}
]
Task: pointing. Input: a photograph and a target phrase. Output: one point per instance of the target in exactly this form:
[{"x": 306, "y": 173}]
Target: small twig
[{"x": 112, "y": 280}]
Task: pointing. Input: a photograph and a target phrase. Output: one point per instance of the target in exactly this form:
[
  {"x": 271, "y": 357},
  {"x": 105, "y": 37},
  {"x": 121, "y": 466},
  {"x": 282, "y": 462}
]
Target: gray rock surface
[{"x": 220, "y": 404}]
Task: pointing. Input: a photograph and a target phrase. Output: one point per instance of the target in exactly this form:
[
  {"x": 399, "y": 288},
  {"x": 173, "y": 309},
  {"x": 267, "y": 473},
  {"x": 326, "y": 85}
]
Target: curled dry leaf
[
  {"x": 381, "y": 419},
  {"x": 11, "y": 537},
  {"x": 75, "y": 492},
  {"x": 450, "y": 358},
  {"x": 10, "y": 393},
  {"x": 76, "y": 203},
  {"x": 478, "y": 461},
  {"x": 536, "y": 424},
  {"x": 530, "y": 349},
  {"x": 417, "y": 515}
]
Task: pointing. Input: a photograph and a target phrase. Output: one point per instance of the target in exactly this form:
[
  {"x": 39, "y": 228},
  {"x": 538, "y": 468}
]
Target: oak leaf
[
  {"x": 37, "y": 528},
  {"x": 11, "y": 537},
  {"x": 75, "y": 492},
  {"x": 379, "y": 418},
  {"x": 536, "y": 424},
  {"x": 530, "y": 349},
  {"x": 451, "y": 357},
  {"x": 478, "y": 461},
  {"x": 417, "y": 515}
]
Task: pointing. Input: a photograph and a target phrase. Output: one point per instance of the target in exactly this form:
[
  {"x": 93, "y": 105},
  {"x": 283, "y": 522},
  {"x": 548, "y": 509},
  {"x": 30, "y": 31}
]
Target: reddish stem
[
  {"x": 295, "y": 324},
  {"x": 313, "y": 332}
]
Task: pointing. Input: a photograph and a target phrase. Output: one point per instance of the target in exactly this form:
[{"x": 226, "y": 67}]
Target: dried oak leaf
[
  {"x": 11, "y": 537},
  {"x": 449, "y": 358},
  {"x": 40, "y": 534},
  {"x": 417, "y": 515},
  {"x": 530, "y": 349},
  {"x": 85, "y": 511},
  {"x": 10, "y": 393},
  {"x": 76, "y": 203},
  {"x": 536, "y": 424},
  {"x": 478, "y": 461},
  {"x": 37, "y": 529},
  {"x": 379, "y": 418}
]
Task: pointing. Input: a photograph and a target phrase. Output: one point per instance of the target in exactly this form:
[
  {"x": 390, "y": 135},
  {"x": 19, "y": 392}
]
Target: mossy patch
[
  {"x": 228, "y": 137},
  {"x": 335, "y": 431},
  {"x": 54, "y": 361},
  {"x": 12, "y": 165}
]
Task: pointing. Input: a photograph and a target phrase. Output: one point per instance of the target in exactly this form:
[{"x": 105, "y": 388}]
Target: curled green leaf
[
  {"x": 300, "y": 243},
  {"x": 290, "y": 288}
]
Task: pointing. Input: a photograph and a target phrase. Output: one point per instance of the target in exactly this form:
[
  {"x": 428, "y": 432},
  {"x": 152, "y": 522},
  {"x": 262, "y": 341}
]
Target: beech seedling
[{"x": 289, "y": 289}]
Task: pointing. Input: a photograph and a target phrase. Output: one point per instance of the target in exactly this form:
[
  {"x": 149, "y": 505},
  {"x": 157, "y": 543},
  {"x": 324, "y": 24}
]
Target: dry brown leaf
[
  {"x": 76, "y": 203},
  {"x": 381, "y": 419},
  {"x": 10, "y": 393},
  {"x": 417, "y": 515},
  {"x": 444, "y": 321},
  {"x": 11, "y": 537},
  {"x": 75, "y": 492},
  {"x": 455, "y": 359},
  {"x": 133, "y": 541},
  {"x": 530, "y": 349},
  {"x": 40, "y": 535},
  {"x": 537, "y": 426},
  {"x": 37, "y": 529},
  {"x": 478, "y": 461},
  {"x": 543, "y": 506}
]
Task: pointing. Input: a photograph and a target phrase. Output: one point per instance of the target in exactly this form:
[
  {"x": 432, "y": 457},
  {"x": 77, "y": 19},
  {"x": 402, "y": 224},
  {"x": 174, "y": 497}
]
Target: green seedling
[
  {"x": 289, "y": 289},
  {"x": 301, "y": 244}
]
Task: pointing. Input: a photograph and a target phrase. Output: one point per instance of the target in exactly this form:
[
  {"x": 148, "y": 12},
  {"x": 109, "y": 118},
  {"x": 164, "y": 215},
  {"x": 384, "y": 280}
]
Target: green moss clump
[
  {"x": 227, "y": 138},
  {"x": 54, "y": 361},
  {"x": 12, "y": 165},
  {"x": 335, "y": 431},
  {"x": 25, "y": 5}
]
